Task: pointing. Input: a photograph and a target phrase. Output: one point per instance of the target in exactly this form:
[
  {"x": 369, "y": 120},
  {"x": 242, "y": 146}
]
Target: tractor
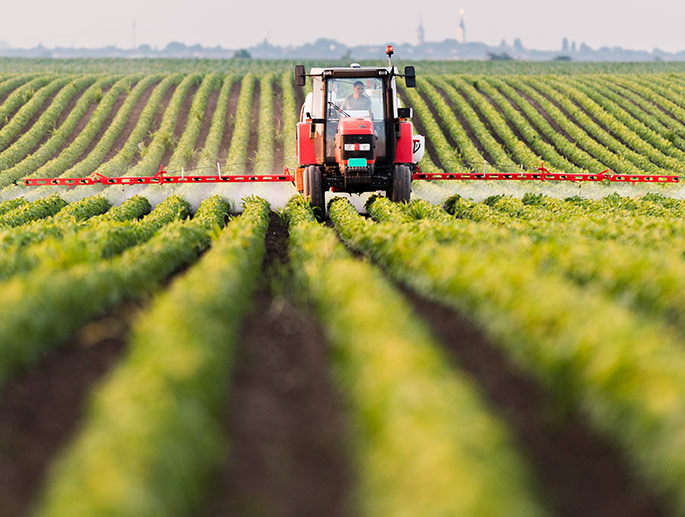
[{"x": 353, "y": 135}]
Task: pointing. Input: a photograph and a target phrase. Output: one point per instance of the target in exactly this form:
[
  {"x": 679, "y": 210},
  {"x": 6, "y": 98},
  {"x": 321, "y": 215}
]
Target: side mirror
[
  {"x": 409, "y": 77},
  {"x": 299, "y": 75},
  {"x": 405, "y": 112}
]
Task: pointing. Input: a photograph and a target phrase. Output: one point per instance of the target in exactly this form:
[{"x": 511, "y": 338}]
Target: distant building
[
  {"x": 420, "y": 35},
  {"x": 461, "y": 31}
]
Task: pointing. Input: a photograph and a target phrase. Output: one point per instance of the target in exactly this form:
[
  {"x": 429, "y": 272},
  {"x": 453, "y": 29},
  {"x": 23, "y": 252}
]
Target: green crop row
[
  {"x": 210, "y": 152},
  {"x": 92, "y": 161},
  {"x": 518, "y": 149},
  {"x": 450, "y": 159},
  {"x": 97, "y": 239},
  {"x": 13, "y": 129},
  {"x": 494, "y": 149},
  {"x": 599, "y": 138},
  {"x": 290, "y": 119},
  {"x": 526, "y": 129},
  {"x": 155, "y": 427},
  {"x": 37, "y": 209},
  {"x": 650, "y": 113},
  {"x": 449, "y": 123},
  {"x": 20, "y": 96},
  {"x": 12, "y": 83},
  {"x": 237, "y": 152},
  {"x": 423, "y": 441},
  {"x": 623, "y": 372},
  {"x": 185, "y": 150},
  {"x": 55, "y": 143},
  {"x": 70, "y": 154},
  {"x": 647, "y": 139},
  {"x": 13, "y": 240},
  {"x": 42, "y": 309},
  {"x": 567, "y": 148},
  {"x": 264, "y": 161},
  {"x": 11, "y": 204},
  {"x": 117, "y": 165},
  {"x": 163, "y": 138},
  {"x": 640, "y": 277}
]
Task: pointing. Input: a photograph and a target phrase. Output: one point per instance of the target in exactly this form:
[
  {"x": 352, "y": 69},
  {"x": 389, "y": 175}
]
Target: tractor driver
[{"x": 358, "y": 100}]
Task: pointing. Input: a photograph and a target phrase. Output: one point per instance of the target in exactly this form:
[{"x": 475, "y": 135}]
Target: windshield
[{"x": 355, "y": 98}]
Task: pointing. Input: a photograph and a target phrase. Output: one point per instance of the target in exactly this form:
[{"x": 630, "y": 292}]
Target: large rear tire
[
  {"x": 401, "y": 184},
  {"x": 314, "y": 191}
]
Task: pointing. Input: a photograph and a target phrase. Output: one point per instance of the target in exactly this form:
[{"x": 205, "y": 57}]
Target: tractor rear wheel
[
  {"x": 314, "y": 191},
  {"x": 401, "y": 184}
]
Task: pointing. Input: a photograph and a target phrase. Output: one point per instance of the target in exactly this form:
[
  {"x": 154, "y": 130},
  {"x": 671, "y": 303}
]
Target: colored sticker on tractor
[{"x": 356, "y": 162}]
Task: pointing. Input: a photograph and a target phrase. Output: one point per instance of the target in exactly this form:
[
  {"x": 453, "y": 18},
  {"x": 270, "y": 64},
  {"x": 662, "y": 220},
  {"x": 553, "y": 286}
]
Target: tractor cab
[{"x": 353, "y": 135}]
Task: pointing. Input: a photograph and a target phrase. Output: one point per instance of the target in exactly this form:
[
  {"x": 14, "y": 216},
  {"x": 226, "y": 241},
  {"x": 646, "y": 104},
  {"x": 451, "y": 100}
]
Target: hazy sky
[{"x": 539, "y": 23}]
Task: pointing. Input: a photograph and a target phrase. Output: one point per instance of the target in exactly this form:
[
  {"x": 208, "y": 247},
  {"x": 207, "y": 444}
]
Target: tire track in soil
[
  {"x": 253, "y": 143},
  {"x": 279, "y": 153},
  {"x": 580, "y": 473},
  {"x": 212, "y": 101},
  {"x": 131, "y": 122},
  {"x": 285, "y": 422},
  {"x": 181, "y": 122},
  {"x": 42, "y": 408},
  {"x": 230, "y": 120}
]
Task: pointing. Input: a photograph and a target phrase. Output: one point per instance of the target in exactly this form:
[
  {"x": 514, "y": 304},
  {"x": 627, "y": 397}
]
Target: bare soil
[
  {"x": 181, "y": 123},
  {"x": 207, "y": 120},
  {"x": 132, "y": 120},
  {"x": 580, "y": 472},
  {"x": 81, "y": 124},
  {"x": 253, "y": 144},
  {"x": 40, "y": 409},
  {"x": 279, "y": 157},
  {"x": 285, "y": 422},
  {"x": 419, "y": 129},
  {"x": 34, "y": 118},
  {"x": 464, "y": 123},
  {"x": 230, "y": 120}
]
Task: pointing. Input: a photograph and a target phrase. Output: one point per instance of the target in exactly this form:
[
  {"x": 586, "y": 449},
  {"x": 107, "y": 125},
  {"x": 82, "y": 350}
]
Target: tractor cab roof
[{"x": 354, "y": 71}]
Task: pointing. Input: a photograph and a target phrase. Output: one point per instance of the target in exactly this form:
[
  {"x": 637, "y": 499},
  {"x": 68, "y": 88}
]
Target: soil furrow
[
  {"x": 131, "y": 122},
  {"x": 580, "y": 472},
  {"x": 464, "y": 124},
  {"x": 40, "y": 409},
  {"x": 285, "y": 422},
  {"x": 420, "y": 130},
  {"x": 508, "y": 121},
  {"x": 206, "y": 121},
  {"x": 181, "y": 123},
  {"x": 279, "y": 158},
  {"x": 230, "y": 120},
  {"x": 101, "y": 131},
  {"x": 253, "y": 143},
  {"x": 39, "y": 113}
]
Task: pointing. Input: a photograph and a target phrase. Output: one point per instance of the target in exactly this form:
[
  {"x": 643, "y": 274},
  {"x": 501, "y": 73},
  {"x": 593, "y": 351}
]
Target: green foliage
[{"x": 155, "y": 427}]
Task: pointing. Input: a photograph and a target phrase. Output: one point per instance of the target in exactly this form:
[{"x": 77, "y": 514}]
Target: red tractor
[{"x": 353, "y": 135}]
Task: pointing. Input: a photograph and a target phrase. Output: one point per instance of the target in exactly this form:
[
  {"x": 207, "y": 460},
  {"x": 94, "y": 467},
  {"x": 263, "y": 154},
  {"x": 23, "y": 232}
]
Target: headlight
[
  {"x": 364, "y": 147},
  {"x": 349, "y": 147}
]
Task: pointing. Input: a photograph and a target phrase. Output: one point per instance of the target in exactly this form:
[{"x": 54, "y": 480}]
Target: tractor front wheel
[
  {"x": 314, "y": 191},
  {"x": 401, "y": 184}
]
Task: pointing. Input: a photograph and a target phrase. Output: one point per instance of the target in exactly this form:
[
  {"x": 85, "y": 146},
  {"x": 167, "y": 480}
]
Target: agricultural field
[{"x": 499, "y": 349}]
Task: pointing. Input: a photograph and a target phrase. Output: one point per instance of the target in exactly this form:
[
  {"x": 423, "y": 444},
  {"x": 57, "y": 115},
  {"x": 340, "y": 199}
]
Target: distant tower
[
  {"x": 420, "y": 33},
  {"x": 461, "y": 31}
]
